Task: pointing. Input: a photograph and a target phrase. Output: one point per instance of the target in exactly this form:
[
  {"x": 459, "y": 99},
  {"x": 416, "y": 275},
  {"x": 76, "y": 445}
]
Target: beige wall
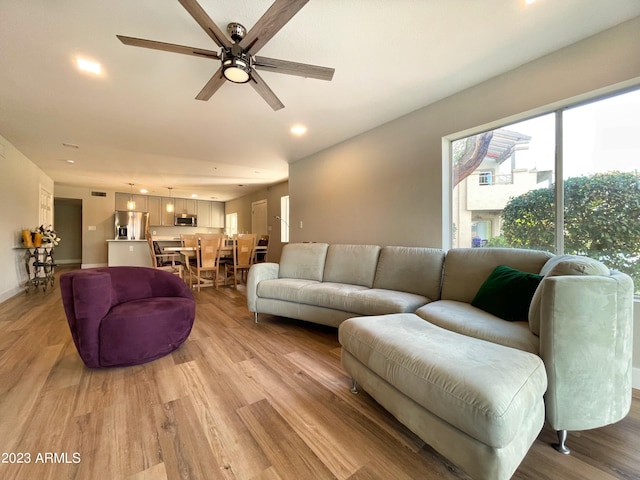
[
  {"x": 19, "y": 194},
  {"x": 242, "y": 206},
  {"x": 386, "y": 185}
]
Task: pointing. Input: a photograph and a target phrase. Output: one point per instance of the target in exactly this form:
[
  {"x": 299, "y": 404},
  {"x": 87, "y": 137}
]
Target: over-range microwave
[{"x": 185, "y": 220}]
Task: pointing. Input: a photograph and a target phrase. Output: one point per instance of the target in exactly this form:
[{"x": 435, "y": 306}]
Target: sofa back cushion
[
  {"x": 351, "y": 264},
  {"x": 303, "y": 260},
  {"x": 562, "y": 265},
  {"x": 466, "y": 269},
  {"x": 415, "y": 270}
]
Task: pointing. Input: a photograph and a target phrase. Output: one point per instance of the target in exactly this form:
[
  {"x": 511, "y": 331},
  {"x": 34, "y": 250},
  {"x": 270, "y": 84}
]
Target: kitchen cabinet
[
  {"x": 210, "y": 214},
  {"x": 167, "y": 217},
  {"x": 203, "y": 209},
  {"x": 185, "y": 205},
  {"x": 123, "y": 198},
  {"x": 155, "y": 211},
  {"x": 217, "y": 214}
]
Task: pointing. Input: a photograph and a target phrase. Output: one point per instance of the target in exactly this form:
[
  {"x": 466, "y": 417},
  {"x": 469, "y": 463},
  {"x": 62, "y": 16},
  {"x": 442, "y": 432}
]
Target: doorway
[
  {"x": 259, "y": 217},
  {"x": 68, "y": 225}
]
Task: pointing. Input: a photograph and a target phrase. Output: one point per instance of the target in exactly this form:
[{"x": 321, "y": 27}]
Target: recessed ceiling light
[
  {"x": 143, "y": 190},
  {"x": 89, "y": 66},
  {"x": 194, "y": 195},
  {"x": 298, "y": 129},
  {"x": 71, "y": 161},
  {"x": 529, "y": 2}
]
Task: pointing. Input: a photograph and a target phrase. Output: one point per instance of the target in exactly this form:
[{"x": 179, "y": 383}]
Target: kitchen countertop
[{"x": 126, "y": 240}]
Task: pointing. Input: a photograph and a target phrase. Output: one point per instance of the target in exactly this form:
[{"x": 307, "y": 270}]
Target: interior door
[{"x": 259, "y": 217}]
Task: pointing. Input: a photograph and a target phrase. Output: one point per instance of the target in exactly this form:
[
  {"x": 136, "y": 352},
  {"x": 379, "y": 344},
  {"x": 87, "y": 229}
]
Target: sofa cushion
[
  {"x": 303, "y": 260},
  {"x": 467, "y": 320},
  {"x": 562, "y": 265},
  {"x": 351, "y": 264},
  {"x": 328, "y": 295},
  {"x": 288, "y": 289},
  {"x": 507, "y": 293},
  {"x": 357, "y": 299},
  {"x": 415, "y": 270},
  {"x": 466, "y": 269},
  {"x": 376, "y": 301}
]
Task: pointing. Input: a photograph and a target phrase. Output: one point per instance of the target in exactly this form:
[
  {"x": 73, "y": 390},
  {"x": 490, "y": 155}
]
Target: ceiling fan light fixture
[{"x": 236, "y": 68}]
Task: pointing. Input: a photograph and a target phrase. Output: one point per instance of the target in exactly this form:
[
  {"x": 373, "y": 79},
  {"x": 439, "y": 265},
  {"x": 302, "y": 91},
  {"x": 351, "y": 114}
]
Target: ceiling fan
[{"x": 238, "y": 56}]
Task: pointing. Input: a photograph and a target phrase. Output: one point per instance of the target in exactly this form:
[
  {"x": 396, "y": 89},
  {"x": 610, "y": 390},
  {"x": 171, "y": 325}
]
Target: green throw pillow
[{"x": 507, "y": 293}]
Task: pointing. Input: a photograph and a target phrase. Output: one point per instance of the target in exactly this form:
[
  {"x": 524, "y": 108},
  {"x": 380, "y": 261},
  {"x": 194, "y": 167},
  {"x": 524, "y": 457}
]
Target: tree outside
[{"x": 601, "y": 220}]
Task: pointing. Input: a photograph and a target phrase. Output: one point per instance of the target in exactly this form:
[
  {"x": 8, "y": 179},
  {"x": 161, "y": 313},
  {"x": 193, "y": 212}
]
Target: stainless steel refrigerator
[{"x": 131, "y": 225}]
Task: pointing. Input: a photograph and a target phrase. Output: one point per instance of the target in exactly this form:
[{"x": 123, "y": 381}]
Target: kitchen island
[{"x": 127, "y": 252}]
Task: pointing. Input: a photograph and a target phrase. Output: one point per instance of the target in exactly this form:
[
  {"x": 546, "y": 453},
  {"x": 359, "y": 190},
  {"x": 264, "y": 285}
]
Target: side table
[{"x": 40, "y": 266}]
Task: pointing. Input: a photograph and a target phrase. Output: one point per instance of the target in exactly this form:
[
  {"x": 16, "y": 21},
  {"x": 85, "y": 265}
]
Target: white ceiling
[{"x": 139, "y": 122}]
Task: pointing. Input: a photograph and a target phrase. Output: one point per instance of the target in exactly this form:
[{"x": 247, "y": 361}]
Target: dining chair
[
  {"x": 189, "y": 240},
  {"x": 169, "y": 262},
  {"x": 243, "y": 256},
  {"x": 207, "y": 272},
  {"x": 261, "y": 254}
]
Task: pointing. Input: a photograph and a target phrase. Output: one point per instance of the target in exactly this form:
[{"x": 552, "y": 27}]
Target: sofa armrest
[
  {"x": 258, "y": 273},
  {"x": 586, "y": 344}
]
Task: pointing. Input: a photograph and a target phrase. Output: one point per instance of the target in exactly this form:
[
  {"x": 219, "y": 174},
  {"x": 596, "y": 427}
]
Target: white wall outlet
[
  {"x": 300, "y": 224},
  {"x": 92, "y": 228},
  {"x": 131, "y": 248}
]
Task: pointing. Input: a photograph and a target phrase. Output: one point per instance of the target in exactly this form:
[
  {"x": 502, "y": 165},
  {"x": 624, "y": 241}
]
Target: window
[
  {"x": 511, "y": 190},
  {"x": 231, "y": 223},
  {"x": 484, "y": 178},
  {"x": 284, "y": 219}
]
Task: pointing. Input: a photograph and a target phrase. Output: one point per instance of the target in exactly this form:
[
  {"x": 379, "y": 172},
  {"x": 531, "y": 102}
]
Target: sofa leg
[
  {"x": 255, "y": 317},
  {"x": 354, "y": 387},
  {"x": 560, "y": 446}
]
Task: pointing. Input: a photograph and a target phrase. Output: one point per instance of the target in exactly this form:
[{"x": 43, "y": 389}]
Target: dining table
[
  {"x": 227, "y": 250},
  {"x": 189, "y": 252}
]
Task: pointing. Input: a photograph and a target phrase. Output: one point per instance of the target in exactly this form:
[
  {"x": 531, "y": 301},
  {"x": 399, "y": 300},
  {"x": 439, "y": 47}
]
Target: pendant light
[
  {"x": 170, "y": 204},
  {"x": 131, "y": 205}
]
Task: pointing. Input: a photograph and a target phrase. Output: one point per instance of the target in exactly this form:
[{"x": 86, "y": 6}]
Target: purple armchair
[{"x": 121, "y": 316}]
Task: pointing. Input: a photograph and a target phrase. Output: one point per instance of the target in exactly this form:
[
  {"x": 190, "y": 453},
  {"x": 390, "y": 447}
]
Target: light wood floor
[{"x": 236, "y": 401}]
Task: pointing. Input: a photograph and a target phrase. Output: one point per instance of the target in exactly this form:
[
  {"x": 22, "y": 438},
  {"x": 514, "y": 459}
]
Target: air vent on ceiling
[{"x": 98, "y": 194}]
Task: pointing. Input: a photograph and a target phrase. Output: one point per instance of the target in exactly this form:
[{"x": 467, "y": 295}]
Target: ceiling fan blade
[
  {"x": 293, "y": 68},
  {"x": 212, "y": 86},
  {"x": 168, "y": 47},
  {"x": 264, "y": 91},
  {"x": 276, "y": 17},
  {"x": 208, "y": 25}
]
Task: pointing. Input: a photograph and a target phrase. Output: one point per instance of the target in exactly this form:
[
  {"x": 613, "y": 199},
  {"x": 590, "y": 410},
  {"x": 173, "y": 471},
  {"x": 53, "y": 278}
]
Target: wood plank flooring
[{"x": 236, "y": 401}]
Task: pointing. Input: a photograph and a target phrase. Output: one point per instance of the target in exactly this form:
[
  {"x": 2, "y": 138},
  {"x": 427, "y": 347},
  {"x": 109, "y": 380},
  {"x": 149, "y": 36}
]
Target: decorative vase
[
  {"x": 37, "y": 239},
  {"x": 26, "y": 238}
]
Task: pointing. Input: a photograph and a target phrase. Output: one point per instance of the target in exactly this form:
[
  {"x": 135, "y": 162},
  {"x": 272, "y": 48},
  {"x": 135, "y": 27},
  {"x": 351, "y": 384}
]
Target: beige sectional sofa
[{"x": 466, "y": 381}]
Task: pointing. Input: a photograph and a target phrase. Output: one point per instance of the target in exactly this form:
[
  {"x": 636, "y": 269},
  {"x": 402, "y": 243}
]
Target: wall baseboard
[
  {"x": 11, "y": 293},
  {"x": 635, "y": 378},
  {"x": 93, "y": 265},
  {"x": 68, "y": 262}
]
